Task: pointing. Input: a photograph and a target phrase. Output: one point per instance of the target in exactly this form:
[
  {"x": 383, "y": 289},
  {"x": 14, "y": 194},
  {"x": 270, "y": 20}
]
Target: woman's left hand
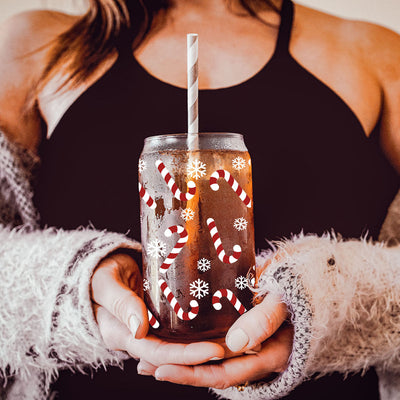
[{"x": 250, "y": 356}]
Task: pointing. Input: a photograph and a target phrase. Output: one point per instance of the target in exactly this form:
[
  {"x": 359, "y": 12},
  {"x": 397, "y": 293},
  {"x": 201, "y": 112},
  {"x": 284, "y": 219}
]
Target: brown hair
[{"x": 107, "y": 24}]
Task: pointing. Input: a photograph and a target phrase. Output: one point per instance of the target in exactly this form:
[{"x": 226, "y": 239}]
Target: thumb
[
  {"x": 113, "y": 285},
  {"x": 257, "y": 325}
]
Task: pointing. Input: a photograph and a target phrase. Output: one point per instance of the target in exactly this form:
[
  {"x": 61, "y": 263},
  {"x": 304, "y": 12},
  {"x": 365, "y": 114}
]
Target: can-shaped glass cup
[{"x": 197, "y": 233}]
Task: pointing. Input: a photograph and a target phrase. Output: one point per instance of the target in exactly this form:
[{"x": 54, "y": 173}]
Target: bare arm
[
  {"x": 382, "y": 53},
  {"x": 24, "y": 48}
]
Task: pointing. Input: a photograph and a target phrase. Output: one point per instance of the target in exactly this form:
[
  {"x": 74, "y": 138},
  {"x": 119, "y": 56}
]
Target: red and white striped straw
[{"x": 193, "y": 90}]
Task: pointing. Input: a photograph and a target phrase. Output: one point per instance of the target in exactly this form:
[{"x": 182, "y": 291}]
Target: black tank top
[{"x": 314, "y": 170}]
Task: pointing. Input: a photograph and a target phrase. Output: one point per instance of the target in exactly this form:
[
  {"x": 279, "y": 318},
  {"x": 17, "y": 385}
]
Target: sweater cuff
[
  {"x": 46, "y": 316},
  {"x": 344, "y": 298},
  {"x": 72, "y": 338},
  {"x": 75, "y": 336},
  {"x": 283, "y": 281}
]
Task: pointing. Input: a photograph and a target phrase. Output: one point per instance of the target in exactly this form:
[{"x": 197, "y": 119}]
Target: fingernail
[
  {"x": 134, "y": 324},
  {"x": 141, "y": 371},
  {"x": 237, "y": 339},
  {"x": 215, "y": 359},
  {"x": 254, "y": 350},
  {"x": 157, "y": 376}
]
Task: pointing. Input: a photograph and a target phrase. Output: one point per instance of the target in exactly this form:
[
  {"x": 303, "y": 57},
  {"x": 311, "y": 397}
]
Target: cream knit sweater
[{"x": 344, "y": 298}]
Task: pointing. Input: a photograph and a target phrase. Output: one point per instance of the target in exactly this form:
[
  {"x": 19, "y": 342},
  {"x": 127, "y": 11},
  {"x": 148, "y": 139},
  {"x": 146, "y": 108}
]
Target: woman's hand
[
  {"x": 257, "y": 345},
  {"x": 117, "y": 290}
]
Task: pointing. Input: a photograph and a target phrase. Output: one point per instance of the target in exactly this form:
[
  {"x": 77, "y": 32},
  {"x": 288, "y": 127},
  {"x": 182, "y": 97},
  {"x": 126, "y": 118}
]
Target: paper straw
[{"x": 193, "y": 90}]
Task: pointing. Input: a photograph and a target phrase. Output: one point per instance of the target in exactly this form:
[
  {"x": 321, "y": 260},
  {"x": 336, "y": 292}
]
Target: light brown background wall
[{"x": 383, "y": 12}]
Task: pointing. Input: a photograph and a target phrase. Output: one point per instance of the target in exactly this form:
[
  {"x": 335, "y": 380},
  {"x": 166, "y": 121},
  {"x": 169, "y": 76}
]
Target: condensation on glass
[{"x": 197, "y": 233}]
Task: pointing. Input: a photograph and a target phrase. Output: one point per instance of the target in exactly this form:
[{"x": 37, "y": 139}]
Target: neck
[
  {"x": 215, "y": 7},
  {"x": 202, "y": 7}
]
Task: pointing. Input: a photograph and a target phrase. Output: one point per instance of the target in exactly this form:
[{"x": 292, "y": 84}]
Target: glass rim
[{"x": 185, "y": 135}]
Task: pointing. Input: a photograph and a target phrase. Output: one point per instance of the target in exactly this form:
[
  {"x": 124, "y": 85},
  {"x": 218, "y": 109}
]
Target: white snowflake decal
[
  {"x": 241, "y": 282},
  {"x": 196, "y": 169},
  {"x": 142, "y": 165},
  {"x": 146, "y": 285},
  {"x": 240, "y": 224},
  {"x": 238, "y": 163},
  {"x": 187, "y": 214},
  {"x": 203, "y": 264},
  {"x": 156, "y": 248},
  {"x": 199, "y": 288}
]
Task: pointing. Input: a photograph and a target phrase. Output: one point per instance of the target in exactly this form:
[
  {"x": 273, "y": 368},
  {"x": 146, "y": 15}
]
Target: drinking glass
[{"x": 197, "y": 233}]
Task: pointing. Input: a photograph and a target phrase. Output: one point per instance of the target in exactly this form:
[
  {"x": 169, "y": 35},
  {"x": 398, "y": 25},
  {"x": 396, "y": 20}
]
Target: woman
[{"x": 317, "y": 100}]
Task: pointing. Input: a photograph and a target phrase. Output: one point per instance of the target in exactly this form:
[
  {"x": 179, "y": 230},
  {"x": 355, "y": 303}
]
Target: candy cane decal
[
  {"x": 237, "y": 250},
  {"x": 185, "y": 316},
  {"x": 146, "y": 197},
  {"x": 152, "y": 320},
  {"x": 172, "y": 185},
  {"x": 221, "y": 173},
  {"x": 216, "y": 300},
  {"x": 183, "y": 237}
]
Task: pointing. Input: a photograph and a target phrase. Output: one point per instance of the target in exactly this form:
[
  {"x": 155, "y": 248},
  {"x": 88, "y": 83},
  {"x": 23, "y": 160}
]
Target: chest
[
  {"x": 230, "y": 56},
  {"x": 313, "y": 168}
]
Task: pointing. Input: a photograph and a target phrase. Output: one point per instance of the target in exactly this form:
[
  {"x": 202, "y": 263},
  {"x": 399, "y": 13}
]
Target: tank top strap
[
  {"x": 285, "y": 28},
  {"x": 124, "y": 42},
  {"x": 124, "y": 47}
]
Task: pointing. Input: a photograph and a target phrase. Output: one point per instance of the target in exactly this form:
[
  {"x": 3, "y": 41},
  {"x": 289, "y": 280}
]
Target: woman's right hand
[{"x": 117, "y": 290}]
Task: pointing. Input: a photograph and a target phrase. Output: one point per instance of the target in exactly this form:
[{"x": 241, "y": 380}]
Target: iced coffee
[{"x": 197, "y": 233}]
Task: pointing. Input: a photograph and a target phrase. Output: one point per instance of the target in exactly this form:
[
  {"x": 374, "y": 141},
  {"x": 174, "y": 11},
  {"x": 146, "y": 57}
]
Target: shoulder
[
  {"x": 372, "y": 46},
  {"x": 361, "y": 52},
  {"x": 28, "y": 31},
  {"x": 380, "y": 48},
  {"x": 25, "y": 42}
]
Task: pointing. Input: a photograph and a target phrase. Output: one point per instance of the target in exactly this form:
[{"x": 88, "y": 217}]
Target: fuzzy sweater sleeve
[
  {"x": 344, "y": 300},
  {"x": 46, "y": 317}
]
